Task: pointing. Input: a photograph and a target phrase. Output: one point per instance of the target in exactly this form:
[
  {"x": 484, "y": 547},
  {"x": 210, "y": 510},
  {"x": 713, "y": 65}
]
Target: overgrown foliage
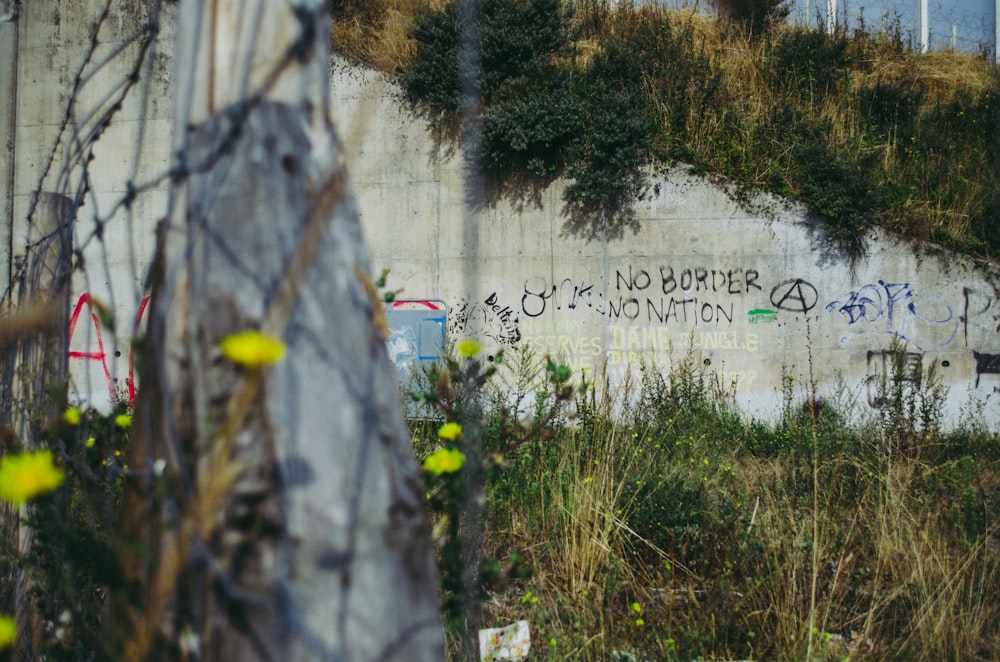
[
  {"x": 72, "y": 561},
  {"x": 542, "y": 116},
  {"x": 856, "y": 125},
  {"x": 669, "y": 527}
]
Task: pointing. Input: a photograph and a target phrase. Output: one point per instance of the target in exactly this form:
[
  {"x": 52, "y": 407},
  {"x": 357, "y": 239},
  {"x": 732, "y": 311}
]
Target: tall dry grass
[
  {"x": 378, "y": 31},
  {"x": 909, "y": 137},
  {"x": 666, "y": 528}
]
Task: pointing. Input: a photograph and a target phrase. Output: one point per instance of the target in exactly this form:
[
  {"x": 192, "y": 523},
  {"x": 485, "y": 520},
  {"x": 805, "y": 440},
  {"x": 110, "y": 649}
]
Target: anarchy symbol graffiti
[{"x": 794, "y": 295}]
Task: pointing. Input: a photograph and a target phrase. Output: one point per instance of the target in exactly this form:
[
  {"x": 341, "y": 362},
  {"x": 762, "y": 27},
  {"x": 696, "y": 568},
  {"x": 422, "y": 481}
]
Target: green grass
[
  {"x": 854, "y": 124},
  {"x": 670, "y": 527}
]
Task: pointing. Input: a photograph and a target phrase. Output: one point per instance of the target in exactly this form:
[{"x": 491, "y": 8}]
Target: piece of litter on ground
[{"x": 511, "y": 642}]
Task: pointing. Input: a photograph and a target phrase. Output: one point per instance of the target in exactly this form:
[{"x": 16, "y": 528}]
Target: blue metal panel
[{"x": 417, "y": 332}]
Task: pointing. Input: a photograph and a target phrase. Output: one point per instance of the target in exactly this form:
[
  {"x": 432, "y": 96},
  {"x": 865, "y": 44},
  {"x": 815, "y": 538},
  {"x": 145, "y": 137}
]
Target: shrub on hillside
[
  {"x": 517, "y": 38},
  {"x": 531, "y": 127},
  {"x": 607, "y": 161},
  {"x": 855, "y": 125},
  {"x": 755, "y": 15},
  {"x": 432, "y": 77}
]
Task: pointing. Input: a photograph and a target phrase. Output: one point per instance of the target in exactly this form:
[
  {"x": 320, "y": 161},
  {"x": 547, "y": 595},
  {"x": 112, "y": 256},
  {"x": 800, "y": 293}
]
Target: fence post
[
  {"x": 36, "y": 374},
  {"x": 294, "y": 526}
]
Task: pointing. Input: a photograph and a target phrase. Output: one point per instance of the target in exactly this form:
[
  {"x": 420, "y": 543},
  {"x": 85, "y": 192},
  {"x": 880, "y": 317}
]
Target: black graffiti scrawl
[
  {"x": 794, "y": 295},
  {"x": 490, "y": 319},
  {"x": 986, "y": 364}
]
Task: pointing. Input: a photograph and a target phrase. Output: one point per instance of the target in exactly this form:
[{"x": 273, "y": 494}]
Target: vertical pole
[
  {"x": 39, "y": 382},
  {"x": 925, "y": 28},
  {"x": 8, "y": 118}
]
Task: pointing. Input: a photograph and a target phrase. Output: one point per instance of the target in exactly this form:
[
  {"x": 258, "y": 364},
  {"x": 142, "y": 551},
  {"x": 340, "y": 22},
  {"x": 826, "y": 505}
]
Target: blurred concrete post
[
  {"x": 295, "y": 526},
  {"x": 40, "y": 372},
  {"x": 8, "y": 116}
]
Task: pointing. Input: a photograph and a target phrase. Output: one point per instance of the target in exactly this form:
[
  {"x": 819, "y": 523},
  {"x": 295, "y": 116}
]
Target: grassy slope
[{"x": 857, "y": 125}]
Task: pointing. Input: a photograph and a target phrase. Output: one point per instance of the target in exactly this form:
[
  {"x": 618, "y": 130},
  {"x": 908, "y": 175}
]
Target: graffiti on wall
[
  {"x": 686, "y": 296},
  {"x": 653, "y": 310},
  {"x": 794, "y": 295},
  {"x": 896, "y": 309},
  {"x": 986, "y": 364},
  {"x": 658, "y": 313},
  {"x": 882, "y": 369},
  {"x": 99, "y": 355},
  {"x": 487, "y": 319}
]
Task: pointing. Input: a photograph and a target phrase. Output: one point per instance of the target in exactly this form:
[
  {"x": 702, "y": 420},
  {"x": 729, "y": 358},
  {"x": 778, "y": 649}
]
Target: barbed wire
[
  {"x": 68, "y": 183},
  {"x": 123, "y": 196}
]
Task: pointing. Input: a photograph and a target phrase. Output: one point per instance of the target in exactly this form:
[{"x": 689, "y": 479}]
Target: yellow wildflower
[
  {"x": 468, "y": 347},
  {"x": 252, "y": 349},
  {"x": 27, "y": 475},
  {"x": 444, "y": 461},
  {"x": 72, "y": 416},
  {"x": 450, "y": 431},
  {"x": 124, "y": 421},
  {"x": 8, "y": 631}
]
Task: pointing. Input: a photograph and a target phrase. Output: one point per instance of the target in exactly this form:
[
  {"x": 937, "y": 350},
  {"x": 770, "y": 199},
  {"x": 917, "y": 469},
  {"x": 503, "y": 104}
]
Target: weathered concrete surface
[
  {"x": 57, "y": 132},
  {"x": 757, "y": 298},
  {"x": 8, "y": 113}
]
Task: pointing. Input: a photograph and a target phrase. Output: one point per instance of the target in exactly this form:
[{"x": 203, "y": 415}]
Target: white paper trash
[{"x": 507, "y": 643}]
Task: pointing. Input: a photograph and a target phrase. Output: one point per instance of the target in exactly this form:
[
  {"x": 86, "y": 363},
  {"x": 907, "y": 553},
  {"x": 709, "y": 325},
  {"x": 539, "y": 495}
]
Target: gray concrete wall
[
  {"x": 8, "y": 115},
  {"x": 754, "y": 298},
  {"x": 757, "y": 299},
  {"x": 50, "y": 133}
]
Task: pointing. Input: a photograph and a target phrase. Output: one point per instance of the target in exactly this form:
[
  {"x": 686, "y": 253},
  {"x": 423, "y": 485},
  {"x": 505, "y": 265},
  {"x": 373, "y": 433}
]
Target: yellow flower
[
  {"x": 252, "y": 349},
  {"x": 8, "y": 630},
  {"x": 468, "y": 347},
  {"x": 124, "y": 421},
  {"x": 450, "y": 431},
  {"x": 27, "y": 475},
  {"x": 72, "y": 416},
  {"x": 444, "y": 461}
]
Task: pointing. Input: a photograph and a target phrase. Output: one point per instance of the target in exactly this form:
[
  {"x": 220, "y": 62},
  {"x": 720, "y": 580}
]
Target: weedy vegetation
[
  {"x": 855, "y": 124},
  {"x": 668, "y": 526}
]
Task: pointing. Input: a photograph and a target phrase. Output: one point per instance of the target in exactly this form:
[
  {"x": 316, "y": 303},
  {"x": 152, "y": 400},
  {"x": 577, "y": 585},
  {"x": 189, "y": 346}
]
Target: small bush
[
  {"x": 432, "y": 77},
  {"x": 519, "y": 38},
  {"x": 756, "y": 15},
  {"x": 810, "y": 62},
  {"x": 841, "y": 192},
  {"x": 533, "y": 127}
]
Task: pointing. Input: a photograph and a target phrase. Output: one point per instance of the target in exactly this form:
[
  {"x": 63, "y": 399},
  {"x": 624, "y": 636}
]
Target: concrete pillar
[
  {"x": 8, "y": 116},
  {"x": 925, "y": 27}
]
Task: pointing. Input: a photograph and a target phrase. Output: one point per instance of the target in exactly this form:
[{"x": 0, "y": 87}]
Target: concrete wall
[
  {"x": 8, "y": 115},
  {"x": 58, "y": 144},
  {"x": 755, "y": 298}
]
